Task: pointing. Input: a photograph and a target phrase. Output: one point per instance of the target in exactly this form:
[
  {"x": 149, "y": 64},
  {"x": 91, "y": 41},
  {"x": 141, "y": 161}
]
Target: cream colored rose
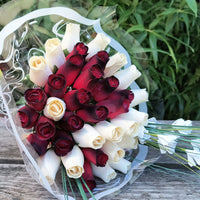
[
  {"x": 71, "y": 37},
  {"x": 49, "y": 164},
  {"x": 105, "y": 173},
  {"x": 123, "y": 165},
  {"x": 74, "y": 162},
  {"x": 39, "y": 71},
  {"x": 114, "y": 152},
  {"x": 140, "y": 96},
  {"x": 88, "y": 137},
  {"x": 54, "y": 108},
  {"x": 114, "y": 64},
  {"x": 99, "y": 43},
  {"x": 54, "y": 53},
  {"x": 127, "y": 76},
  {"x": 109, "y": 131},
  {"x": 128, "y": 142}
]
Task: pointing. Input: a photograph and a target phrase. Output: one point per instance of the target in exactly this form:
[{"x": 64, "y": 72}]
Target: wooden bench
[{"x": 153, "y": 184}]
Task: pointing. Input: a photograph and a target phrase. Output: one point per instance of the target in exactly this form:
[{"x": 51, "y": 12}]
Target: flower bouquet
[{"x": 73, "y": 105}]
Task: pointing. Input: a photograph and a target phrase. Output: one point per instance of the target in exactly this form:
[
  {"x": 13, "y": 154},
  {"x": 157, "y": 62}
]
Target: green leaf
[
  {"x": 136, "y": 28},
  {"x": 192, "y": 4},
  {"x": 153, "y": 45},
  {"x": 171, "y": 20},
  {"x": 169, "y": 11}
]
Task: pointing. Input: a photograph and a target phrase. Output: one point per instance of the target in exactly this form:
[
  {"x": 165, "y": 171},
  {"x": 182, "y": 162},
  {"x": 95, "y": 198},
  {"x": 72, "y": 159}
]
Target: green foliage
[{"x": 162, "y": 38}]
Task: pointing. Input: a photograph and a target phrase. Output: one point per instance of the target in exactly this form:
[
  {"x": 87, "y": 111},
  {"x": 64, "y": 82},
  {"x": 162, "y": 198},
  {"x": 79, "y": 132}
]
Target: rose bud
[
  {"x": 39, "y": 71},
  {"x": 127, "y": 76},
  {"x": 74, "y": 162},
  {"x": 49, "y": 164},
  {"x": 110, "y": 131},
  {"x": 75, "y": 99},
  {"x": 123, "y": 165},
  {"x": 140, "y": 96},
  {"x": 45, "y": 128},
  {"x": 62, "y": 142},
  {"x": 115, "y": 63},
  {"x": 56, "y": 86},
  {"x": 105, "y": 173},
  {"x": 97, "y": 157},
  {"x": 28, "y": 117},
  {"x": 101, "y": 58},
  {"x": 40, "y": 146},
  {"x": 88, "y": 177},
  {"x": 128, "y": 142},
  {"x": 94, "y": 72},
  {"x": 36, "y": 98},
  {"x": 135, "y": 115},
  {"x": 54, "y": 108},
  {"x": 104, "y": 87},
  {"x": 71, "y": 37},
  {"x": 114, "y": 152},
  {"x": 79, "y": 48},
  {"x": 88, "y": 137},
  {"x": 54, "y": 54},
  {"x": 115, "y": 106},
  {"x": 99, "y": 43},
  {"x": 71, "y": 122},
  {"x": 93, "y": 113},
  {"x": 71, "y": 68}
]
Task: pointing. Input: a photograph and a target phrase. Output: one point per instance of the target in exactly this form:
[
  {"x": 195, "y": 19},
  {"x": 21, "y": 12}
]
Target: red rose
[
  {"x": 75, "y": 99},
  {"x": 45, "y": 128},
  {"x": 103, "y": 88},
  {"x": 71, "y": 68},
  {"x": 40, "y": 146},
  {"x": 88, "y": 177},
  {"x": 71, "y": 122},
  {"x": 36, "y": 98},
  {"x": 94, "y": 72},
  {"x": 79, "y": 48},
  {"x": 115, "y": 106},
  {"x": 28, "y": 117},
  {"x": 127, "y": 94},
  {"x": 93, "y": 113},
  {"x": 56, "y": 86},
  {"x": 62, "y": 142},
  {"x": 101, "y": 58},
  {"x": 97, "y": 157}
]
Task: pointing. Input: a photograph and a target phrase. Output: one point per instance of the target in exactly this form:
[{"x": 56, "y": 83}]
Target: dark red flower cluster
[{"x": 89, "y": 97}]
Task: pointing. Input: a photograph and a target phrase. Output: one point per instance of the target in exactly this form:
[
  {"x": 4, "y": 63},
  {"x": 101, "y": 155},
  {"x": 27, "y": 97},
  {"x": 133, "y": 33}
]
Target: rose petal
[
  {"x": 56, "y": 86},
  {"x": 36, "y": 98},
  {"x": 28, "y": 117},
  {"x": 71, "y": 122},
  {"x": 40, "y": 146},
  {"x": 75, "y": 99},
  {"x": 93, "y": 114},
  {"x": 45, "y": 128},
  {"x": 71, "y": 68}
]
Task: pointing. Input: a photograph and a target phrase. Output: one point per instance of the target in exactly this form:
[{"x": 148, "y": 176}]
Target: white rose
[
  {"x": 54, "y": 53},
  {"x": 39, "y": 71},
  {"x": 109, "y": 131},
  {"x": 74, "y": 162},
  {"x": 114, "y": 152},
  {"x": 88, "y": 137},
  {"x": 49, "y": 164},
  {"x": 127, "y": 76},
  {"x": 114, "y": 64},
  {"x": 140, "y": 96},
  {"x": 71, "y": 37},
  {"x": 54, "y": 108},
  {"x": 99, "y": 43},
  {"x": 123, "y": 165},
  {"x": 128, "y": 142},
  {"x": 105, "y": 173}
]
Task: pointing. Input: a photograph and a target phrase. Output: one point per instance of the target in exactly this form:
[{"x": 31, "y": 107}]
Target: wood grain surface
[{"x": 153, "y": 184}]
